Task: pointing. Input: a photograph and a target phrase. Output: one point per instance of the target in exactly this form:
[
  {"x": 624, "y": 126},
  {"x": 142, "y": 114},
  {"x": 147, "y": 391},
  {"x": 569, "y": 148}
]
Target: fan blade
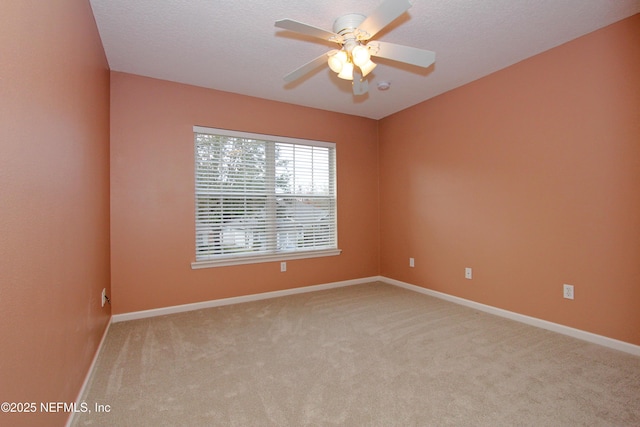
[
  {"x": 309, "y": 30},
  {"x": 386, "y": 13},
  {"x": 306, "y": 68},
  {"x": 360, "y": 84},
  {"x": 396, "y": 52}
]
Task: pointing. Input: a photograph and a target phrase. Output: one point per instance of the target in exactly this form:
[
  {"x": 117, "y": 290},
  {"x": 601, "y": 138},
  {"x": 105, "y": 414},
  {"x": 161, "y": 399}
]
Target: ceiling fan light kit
[
  {"x": 353, "y": 33},
  {"x": 367, "y": 67},
  {"x": 346, "y": 72},
  {"x": 342, "y": 61},
  {"x": 336, "y": 60},
  {"x": 360, "y": 55}
]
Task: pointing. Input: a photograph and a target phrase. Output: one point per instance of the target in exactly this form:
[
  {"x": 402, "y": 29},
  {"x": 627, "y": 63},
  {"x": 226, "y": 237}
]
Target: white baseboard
[
  {"x": 555, "y": 327},
  {"x": 87, "y": 377},
  {"x": 236, "y": 300}
]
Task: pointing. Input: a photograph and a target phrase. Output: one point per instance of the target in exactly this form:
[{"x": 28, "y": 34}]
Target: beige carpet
[{"x": 365, "y": 355}]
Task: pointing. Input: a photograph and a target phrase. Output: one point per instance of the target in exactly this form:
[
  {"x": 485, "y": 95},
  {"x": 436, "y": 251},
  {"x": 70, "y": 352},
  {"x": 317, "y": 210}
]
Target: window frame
[{"x": 239, "y": 259}]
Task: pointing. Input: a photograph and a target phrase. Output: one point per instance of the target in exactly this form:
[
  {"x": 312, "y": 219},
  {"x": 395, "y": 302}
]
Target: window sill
[{"x": 263, "y": 258}]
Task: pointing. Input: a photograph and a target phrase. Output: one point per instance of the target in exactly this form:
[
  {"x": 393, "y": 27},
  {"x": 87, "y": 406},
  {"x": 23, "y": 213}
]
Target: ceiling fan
[{"x": 353, "y": 33}]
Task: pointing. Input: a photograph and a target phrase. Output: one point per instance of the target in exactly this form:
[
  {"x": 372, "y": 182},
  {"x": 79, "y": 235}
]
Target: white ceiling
[{"x": 234, "y": 46}]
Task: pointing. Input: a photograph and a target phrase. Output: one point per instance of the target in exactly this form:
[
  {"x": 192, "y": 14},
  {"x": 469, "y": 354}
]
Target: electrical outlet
[
  {"x": 283, "y": 266},
  {"x": 567, "y": 291},
  {"x": 412, "y": 262},
  {"x": 468, "y": 273},
  {"x": 103, "y": 297}
]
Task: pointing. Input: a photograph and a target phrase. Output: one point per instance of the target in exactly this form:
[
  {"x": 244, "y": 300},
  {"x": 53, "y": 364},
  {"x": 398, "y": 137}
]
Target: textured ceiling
[{"x": 233, "y": 46}]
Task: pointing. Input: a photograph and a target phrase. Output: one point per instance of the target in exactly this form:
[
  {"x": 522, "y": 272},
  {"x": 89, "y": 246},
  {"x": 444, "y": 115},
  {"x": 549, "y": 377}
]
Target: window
[{"x": 262, "y": 198}]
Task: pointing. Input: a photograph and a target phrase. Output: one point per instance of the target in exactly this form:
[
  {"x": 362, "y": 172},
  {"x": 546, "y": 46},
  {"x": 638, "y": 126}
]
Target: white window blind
[{"x": 261, "y": 197}]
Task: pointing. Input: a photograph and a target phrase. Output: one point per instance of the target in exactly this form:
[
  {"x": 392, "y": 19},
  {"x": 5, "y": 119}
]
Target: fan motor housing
[{"x": 348, "y": 23}]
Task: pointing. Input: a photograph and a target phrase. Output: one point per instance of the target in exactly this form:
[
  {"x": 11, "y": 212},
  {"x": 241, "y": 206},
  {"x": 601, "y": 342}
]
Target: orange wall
[
  {"x": 531, "y": 176},
  {"x": 54, "y": 195},
  {"x": 152, "y": 193}
]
